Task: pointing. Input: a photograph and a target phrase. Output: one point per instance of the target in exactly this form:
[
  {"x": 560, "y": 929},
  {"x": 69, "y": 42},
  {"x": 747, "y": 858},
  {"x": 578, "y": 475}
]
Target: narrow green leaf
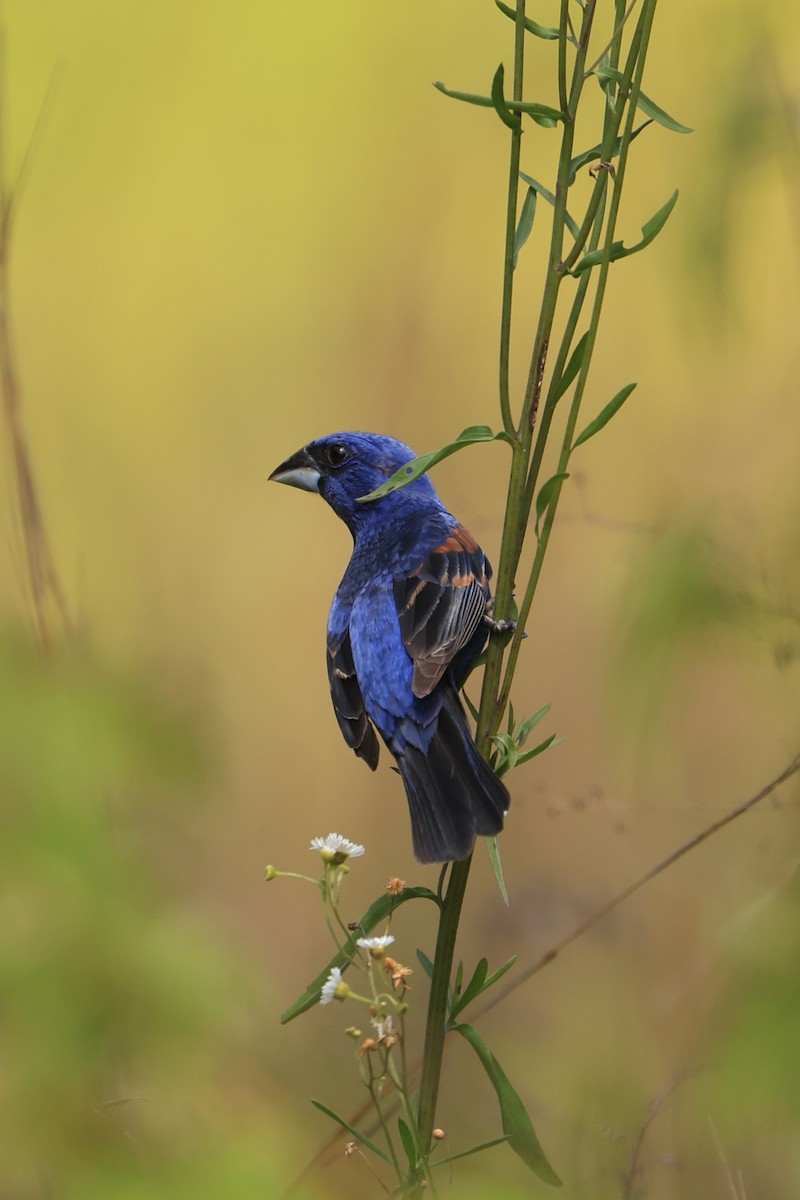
[
  {"x": 512, "y": 120},
  {"x": 605, "y": 415},
  {"x": 521, "y": 734},
  {"x": 407, "y": 1138},
  {"x": 473, "y": 989},
  {"x": 407, "y": 474},
  {"x": 466, "y": 97},
  {"x": 459, "y": 978},
  {"x": 493, "y": 850},
  {"x": 541, "y": 31},
  {"x": 473, "y": 710},
  {"x": 511, "y": 721},
  {"x": 546, "y": 493},
  {"x": 508, "y": 753},
  {"x": 499, "y": 973},
  {"x": 543, "y": 114},
  {"x": 530, "y": 723},
  {"x": 580, "y": 160},
  {"x": 357, "y": 1134},
  {"x": 650, "y": 230},
  {"x": 606, "y": 83},
  {"x": 571, "y": 370},
  {"x": 543, "y": 119},
  {"x": 525, "y": 222},
  {"x": 425, "y": 963},
  {"x": 547, "y": 195},
  {"x": 440, "y": 1162},
  {"x": 516, "y": 1123},
  {"x": 606, "y": 74},
  {"x": 375, "y": 915},
  {"x": 529, "y": 754}
]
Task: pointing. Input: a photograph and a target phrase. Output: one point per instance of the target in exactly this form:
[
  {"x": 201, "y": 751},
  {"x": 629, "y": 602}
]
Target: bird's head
[{"x": 347, "y": 466}]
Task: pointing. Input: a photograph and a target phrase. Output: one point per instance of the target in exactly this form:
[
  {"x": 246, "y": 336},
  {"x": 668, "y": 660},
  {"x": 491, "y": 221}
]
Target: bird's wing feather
[
  {"x": 440, "y": 606},
  {"x": 348, "y": 703}
]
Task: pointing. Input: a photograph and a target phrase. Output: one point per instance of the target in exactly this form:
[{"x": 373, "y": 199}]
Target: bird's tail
[{"x": 453, "y": 793}]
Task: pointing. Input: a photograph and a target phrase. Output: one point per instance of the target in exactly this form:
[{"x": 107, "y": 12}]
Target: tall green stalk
[
  {"x": 575, "y": 278},
  {"x": 528, "y": 438}
]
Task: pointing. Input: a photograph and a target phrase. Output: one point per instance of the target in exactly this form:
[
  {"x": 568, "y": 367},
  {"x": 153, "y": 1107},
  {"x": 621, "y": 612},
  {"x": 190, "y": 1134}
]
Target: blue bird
[{"x": 407, "y": 621}]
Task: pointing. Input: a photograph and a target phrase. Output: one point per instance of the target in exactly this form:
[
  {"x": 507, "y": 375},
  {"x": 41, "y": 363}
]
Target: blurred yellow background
[{"x": 246, "y": 225}]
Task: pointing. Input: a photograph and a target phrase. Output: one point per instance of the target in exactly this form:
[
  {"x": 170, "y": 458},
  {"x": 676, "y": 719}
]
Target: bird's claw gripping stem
[{"x": 497, "y": 627}]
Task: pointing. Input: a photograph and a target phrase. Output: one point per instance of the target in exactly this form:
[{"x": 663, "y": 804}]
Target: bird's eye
[{"x": 336, "y": 454}]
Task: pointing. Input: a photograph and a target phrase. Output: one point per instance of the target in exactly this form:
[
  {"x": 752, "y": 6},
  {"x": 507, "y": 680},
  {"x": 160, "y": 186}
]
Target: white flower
[
  {"x": 334, "y": 987},
  {"x": 335, "y": 849},
  {"x": 376, "y": 945}
]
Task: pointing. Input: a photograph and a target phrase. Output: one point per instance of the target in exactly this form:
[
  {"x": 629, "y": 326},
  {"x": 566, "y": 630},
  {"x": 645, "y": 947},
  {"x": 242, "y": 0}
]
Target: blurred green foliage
[
  {"x": 118, "y": 1008},
  {"x": 756, "y": 1032}
]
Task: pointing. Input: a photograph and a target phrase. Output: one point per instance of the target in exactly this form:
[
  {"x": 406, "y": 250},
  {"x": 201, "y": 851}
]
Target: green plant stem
[
  {"x": 634, "y": 69},
  {"x": 613, "y": 46},
  {"x": 376, "y": 1104},
  {"x": 592, "y": 225},
  {"x": 511, "y": 227},
  {"x": 436, "y": 1025},
  {"x": 526, "y": 461},
  {"x": 450, "y": 913},
  {"x": 517, "y": 507},
  {"x": 411, "y": 1119}
]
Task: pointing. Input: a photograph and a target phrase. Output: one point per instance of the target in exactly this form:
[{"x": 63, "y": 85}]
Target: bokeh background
[{"x": 245, "y": 225}]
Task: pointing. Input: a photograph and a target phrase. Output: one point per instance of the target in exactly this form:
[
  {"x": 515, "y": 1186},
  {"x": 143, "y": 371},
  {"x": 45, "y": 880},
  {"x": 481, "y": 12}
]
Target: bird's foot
[{"x": 499, "y": 626}]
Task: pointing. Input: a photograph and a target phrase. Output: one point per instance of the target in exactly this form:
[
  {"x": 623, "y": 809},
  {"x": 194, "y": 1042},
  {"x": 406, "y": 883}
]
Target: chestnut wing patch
[
  {"x": 440, "y": 606},
  {"x": 348, "y": 704}
]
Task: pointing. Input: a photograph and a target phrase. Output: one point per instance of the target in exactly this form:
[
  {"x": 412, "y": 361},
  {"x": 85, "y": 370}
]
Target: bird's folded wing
[
  {"x": 440, "y": 606},
  {"x": 348, "y": 703}
]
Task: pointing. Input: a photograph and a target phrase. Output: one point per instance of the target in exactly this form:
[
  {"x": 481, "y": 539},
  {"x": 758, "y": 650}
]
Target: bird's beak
[{"x": 299, "y": 471}]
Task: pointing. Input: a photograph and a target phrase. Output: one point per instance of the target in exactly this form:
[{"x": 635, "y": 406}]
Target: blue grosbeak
[{"x": 406, "y": 623}]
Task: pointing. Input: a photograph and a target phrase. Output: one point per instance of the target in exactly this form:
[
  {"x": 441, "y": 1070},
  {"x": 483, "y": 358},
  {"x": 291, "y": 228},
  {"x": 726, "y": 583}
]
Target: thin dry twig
[
  {"x": 653, "y": 1109},
  {"x": 47, "y": 595},
  {"x": 600, "y": 913},
  {"x": 737, "y": 1192}
]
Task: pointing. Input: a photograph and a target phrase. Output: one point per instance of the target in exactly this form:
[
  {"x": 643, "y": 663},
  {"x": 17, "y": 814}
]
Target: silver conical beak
[{"x": 299, "y": 471}]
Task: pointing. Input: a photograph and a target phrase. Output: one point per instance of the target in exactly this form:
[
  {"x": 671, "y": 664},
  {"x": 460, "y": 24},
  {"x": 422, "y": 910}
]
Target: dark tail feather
[{"x": 453, "y": 793}]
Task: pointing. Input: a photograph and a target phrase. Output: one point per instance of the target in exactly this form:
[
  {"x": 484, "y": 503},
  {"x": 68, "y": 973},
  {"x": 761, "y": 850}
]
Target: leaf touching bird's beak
[{"x": 299, "y": 471}]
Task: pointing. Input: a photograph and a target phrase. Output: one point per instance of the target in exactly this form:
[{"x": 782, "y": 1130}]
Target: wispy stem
[{"x": 47, "y": 596}]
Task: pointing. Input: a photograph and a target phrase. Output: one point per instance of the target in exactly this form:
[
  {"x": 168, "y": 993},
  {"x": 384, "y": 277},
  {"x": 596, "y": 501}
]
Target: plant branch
[
  {"x": 436, "y": 1026},
  {"x": 627, "y": 94},
  {"x": 511, "y": 226}
]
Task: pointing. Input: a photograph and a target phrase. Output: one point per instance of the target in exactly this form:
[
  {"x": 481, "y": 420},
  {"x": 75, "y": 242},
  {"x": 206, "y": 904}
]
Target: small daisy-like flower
[
  {"x": 395, "y": 886},
  {"x": 335, "y": 849},
  {"x": 376, "y": 945},
  {"x": 334, "y": 987}
]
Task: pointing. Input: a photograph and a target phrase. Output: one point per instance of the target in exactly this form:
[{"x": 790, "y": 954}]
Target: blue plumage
[{"x": 406, "y": 623}]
